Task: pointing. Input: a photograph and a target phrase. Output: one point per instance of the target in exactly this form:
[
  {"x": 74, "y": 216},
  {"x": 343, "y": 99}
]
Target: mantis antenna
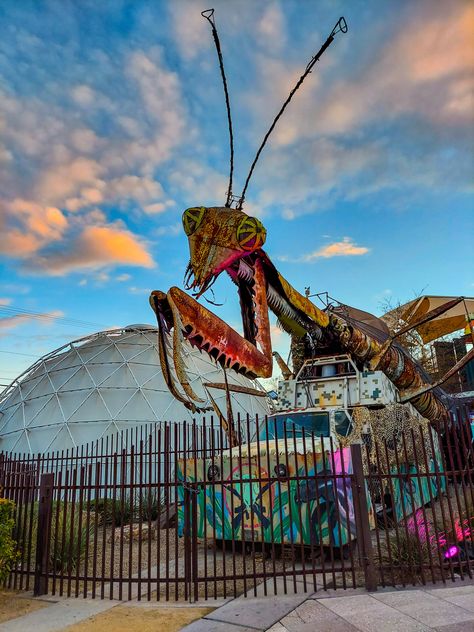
[
  {"x": 341, "y": 26},
  {"x": 209, "y": 15}
]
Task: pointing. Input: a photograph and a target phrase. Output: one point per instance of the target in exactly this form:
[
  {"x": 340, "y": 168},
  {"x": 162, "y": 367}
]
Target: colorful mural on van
[{"x": 286, "y": 494}]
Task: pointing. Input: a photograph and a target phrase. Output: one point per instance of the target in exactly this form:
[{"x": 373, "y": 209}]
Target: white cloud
[
  {"x": 28, "y": 226},
  {"x": 170, "y": 231},
  {"x": 190, "y": 28},
  {"x": 83, "y": 95},
  {"x": 271, "y": 28},
  {"x": 60, "y": 182},
  {"x": 47, "y": 319},
  {"x": 201, "y": 184},
  {"x": 344, "y": 248},
  {"x": 381, "y": 122},
  {"x": 139, "y": 290}
]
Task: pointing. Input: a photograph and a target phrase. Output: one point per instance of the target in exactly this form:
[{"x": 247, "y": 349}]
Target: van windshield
[{"x": 292, "y": 424}]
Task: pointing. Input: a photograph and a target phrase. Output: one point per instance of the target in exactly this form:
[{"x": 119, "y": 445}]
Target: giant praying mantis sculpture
[{"x": 225, "y": 239}]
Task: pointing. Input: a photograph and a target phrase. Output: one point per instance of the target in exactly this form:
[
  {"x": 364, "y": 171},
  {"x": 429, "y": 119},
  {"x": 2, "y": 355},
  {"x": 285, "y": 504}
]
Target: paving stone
[
  {"x": 259, "y": 613},
  {"x": 277, "y": 627},
  {"x": 348, "y": 592},
  {"x": 205, "y": 625},
  {"x": 465, "y": 601},
  {"x": 466, "y": 626},
  {"x": 425, "y": 607},
  {"x": 371, "y": 615},
  {"x": 280, "y": 588},
  {"x": 462, "y": 596},
  {"x": 311, "y": 616},
  {"x": 452, "y": 591}
]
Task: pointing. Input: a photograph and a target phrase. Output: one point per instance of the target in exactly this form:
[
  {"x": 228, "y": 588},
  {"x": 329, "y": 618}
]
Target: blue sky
[{"x": 112, "y": 122}]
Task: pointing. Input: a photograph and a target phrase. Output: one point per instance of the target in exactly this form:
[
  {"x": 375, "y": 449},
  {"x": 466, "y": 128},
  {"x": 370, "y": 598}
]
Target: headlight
[
  {"x": 280, "y": 470},
  {"x": 213, "y": 472}
]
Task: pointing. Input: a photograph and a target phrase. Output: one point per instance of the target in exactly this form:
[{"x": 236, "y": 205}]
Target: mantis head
[{"x": 218, "y": 237}]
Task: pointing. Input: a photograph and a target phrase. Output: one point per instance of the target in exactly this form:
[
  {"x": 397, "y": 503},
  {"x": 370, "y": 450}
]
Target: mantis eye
[
  {"x": 192, "y": 218},
  {"x": 251, "y": 233}
]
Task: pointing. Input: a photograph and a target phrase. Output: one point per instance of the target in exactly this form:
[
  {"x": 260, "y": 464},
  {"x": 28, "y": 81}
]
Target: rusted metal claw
[
  {"x": 179, "y": 313},
  {"x": 209, "y": 333}
]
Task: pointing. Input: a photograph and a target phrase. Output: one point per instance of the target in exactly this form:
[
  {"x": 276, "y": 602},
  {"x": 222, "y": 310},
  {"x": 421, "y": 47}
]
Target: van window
[
  {"x": 343, "y": 423},
  {"x": 292, "y": 424}
]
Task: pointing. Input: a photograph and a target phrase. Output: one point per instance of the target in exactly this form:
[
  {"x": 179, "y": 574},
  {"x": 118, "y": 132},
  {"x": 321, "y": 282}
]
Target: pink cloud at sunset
[
  {"x": 113, "y": 121},
  {"x": 402, "y": 76},
  {"x": 344, "y": 248},
  {"x": 10, "y": 322},
  {"x": 28, "y": 226}
]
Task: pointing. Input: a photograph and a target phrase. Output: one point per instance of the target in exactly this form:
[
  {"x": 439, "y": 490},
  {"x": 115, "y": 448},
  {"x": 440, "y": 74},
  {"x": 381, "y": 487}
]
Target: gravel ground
[
  {"x": 152, "y": 555},
  {"x": 14, "y": 604},
  {"x": 212, "y": 563}
]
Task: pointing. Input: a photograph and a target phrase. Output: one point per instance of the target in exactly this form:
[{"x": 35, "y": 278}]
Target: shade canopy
[{"x": 449, "y": 314}]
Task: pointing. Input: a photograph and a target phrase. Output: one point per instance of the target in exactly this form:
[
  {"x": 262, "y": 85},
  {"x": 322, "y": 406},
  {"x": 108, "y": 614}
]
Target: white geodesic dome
[{"x": 103, "y": 384}]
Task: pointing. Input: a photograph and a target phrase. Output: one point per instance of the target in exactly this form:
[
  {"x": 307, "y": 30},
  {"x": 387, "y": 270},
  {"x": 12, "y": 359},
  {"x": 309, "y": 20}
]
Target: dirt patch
[
  {"x": 13, "y": 604},
  {"x": 123, "y": 619}
]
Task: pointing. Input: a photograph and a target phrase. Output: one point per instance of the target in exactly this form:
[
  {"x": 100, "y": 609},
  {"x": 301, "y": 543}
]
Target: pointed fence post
[
  {"x": 43, "y": 534},
  {"x": 364, "y": 538}
]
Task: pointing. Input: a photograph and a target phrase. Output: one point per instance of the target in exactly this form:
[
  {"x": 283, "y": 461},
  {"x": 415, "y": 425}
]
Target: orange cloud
[
  {"x": 17, "y": 244},
  {"x": 97, "y": 247},
  {"x": 344, "y": 248},
  {"x": 116, "y": 245},
  {"x": 30, "y": 226}
]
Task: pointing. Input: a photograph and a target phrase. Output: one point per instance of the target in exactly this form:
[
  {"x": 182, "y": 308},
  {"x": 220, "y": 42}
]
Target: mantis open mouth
[{"x": 192, "y": 282}]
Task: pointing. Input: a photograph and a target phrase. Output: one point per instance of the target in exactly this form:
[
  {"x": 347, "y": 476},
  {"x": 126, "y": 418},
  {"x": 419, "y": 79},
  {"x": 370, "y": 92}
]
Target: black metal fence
[{"x": 171, "y": 512}]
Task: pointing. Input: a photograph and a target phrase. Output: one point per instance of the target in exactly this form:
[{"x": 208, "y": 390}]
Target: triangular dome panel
[
  {"x": 48, "y": 415},
  {"x": 116, "y": 398},
  {"x": 92, "y": 408},
  {"x": 103, "y": 383},
  {"x": 137, "y": 410},
  {"x": 118, "y": 377}
]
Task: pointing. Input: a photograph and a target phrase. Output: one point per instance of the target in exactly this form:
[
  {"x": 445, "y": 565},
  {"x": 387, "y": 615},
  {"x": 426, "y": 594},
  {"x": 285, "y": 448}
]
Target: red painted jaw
[{"x": 208, "y": 332}]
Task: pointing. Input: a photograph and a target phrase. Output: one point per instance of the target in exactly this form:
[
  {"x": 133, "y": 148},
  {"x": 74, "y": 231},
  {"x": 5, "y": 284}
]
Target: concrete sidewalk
[{"x": 444, "y": 609}]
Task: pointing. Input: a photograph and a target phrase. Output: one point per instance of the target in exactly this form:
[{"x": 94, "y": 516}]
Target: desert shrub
[
  {"x": 408, "y": 555},
  {"x": 67, "y": 547},
  {"x": 69, "y": 538},
  {"x": 148, "y": 504},
  {"x": 413, "y": 549},
  {"x": 8, "y": 549},
  {"x": 110, "y": 510},
  {"x": 145, "y": 507}
]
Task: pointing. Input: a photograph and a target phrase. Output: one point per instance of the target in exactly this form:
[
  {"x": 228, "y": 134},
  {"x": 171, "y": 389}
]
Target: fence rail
[{"x": 170, "y": 512}]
